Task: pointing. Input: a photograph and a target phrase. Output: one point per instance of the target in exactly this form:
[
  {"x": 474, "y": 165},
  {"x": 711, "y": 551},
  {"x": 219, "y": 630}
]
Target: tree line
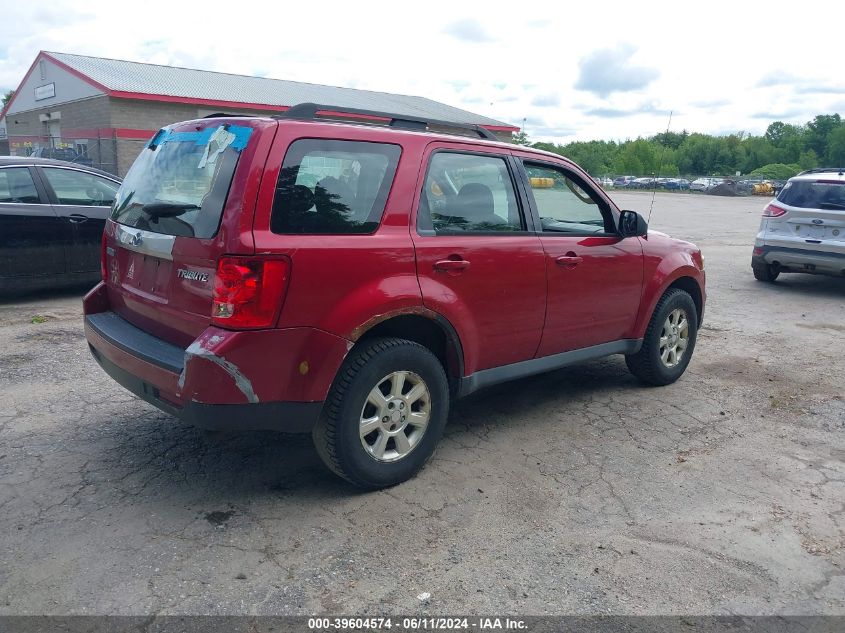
[{"x": 783, "y": 151}]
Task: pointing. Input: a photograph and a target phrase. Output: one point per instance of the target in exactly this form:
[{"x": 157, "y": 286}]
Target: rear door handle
[
  {"x": 77, "y": 218},
  {"x": 569, "y": 261},
  {"x": 451, "y": 265}
]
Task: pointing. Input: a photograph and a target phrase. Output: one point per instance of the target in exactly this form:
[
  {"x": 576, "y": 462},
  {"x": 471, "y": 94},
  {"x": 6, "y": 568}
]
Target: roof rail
[
  {"x": 310, "y": 111},
  {"x": 819, "y": 170}
]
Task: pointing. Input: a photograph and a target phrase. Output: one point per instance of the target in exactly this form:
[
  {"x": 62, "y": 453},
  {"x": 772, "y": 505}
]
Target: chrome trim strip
[{"x": 145, "y": 242}]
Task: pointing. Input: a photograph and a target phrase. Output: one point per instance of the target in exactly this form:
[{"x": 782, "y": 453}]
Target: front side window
[
  {"x": 333, "y": 187},
  {"x": 16, "y": 185},
  {"x": 468, "y": 193},
  {"x": 565, "y": 204},
  {"x": 80, "y": 188}
]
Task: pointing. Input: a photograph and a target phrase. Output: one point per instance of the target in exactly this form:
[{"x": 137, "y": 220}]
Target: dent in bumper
[{"x": 271, "y": 370}]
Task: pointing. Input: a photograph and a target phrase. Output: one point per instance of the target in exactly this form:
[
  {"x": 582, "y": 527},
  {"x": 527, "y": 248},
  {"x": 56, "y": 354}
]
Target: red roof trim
[
  {"x": 109, "y": 132},
  {"x": 501, "y": 128}
]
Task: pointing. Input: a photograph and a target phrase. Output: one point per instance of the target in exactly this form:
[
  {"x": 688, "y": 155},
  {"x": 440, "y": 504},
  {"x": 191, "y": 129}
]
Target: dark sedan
[{"x": 52, "y": 215}]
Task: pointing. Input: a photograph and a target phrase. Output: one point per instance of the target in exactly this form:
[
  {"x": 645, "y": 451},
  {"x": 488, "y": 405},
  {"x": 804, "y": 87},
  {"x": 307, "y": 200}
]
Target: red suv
[{"x": 349, "y": 279}]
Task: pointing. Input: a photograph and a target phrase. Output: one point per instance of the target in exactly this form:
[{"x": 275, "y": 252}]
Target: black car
[
  {"x": 52, "y": 215},
  {"x": 62, "y": 153}
]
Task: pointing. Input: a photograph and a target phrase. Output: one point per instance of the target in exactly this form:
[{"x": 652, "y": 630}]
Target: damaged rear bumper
[
  {"x": 267, "y": 380},
  {"x": 288, "y": 417}
]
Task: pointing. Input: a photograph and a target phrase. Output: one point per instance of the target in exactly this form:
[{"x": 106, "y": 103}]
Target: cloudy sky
[{"x": 606, "y": 70}]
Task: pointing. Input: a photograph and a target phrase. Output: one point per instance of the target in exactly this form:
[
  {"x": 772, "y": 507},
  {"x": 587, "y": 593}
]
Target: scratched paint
[{"x": 198, "y": 350}]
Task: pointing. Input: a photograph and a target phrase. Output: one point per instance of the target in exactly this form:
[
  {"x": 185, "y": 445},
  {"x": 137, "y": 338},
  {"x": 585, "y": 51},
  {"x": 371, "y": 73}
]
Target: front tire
[
  {"x": 385, "y": 413},
  {"x": 669, "y": 340}
]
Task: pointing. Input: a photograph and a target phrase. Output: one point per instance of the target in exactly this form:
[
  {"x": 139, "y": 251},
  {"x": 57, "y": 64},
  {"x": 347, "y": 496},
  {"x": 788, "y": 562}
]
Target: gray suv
[{"x": 803, "y": 229}]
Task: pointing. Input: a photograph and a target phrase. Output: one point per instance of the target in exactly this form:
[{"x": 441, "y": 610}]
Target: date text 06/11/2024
[{"x": 416, "y": 624}]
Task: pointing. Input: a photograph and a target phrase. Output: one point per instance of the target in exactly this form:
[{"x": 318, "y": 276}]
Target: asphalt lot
[{"x": 579, "y": 491}]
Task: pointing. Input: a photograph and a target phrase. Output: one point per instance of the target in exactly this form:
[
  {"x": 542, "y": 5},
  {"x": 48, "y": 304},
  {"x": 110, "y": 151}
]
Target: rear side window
[
  {"x": 338, "y": 187},
  {"x": 468, "y": 193},
  {"x": 79, "y": 188},
  {"x": 16, "y": 186},
  {"x": 814, "y": 194}
]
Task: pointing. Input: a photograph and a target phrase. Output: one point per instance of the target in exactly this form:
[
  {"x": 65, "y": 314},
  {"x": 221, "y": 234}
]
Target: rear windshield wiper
[
  {"x": 832, "y": 206},
  {"x": 167, "y": 209}
]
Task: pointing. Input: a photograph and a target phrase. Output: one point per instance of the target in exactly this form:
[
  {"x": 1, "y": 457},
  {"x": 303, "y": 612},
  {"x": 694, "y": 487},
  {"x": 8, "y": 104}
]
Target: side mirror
[{"x": 632, "y": 224}]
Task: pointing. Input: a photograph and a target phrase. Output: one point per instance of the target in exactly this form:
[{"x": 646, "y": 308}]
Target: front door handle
[
  {"x": 569, "y": 261},
  {"x": 451, "y": 265},
  {"x": 77, "y": 218}
]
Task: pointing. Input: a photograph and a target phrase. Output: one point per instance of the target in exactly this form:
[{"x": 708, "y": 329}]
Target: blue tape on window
[
  {"x": 156, "y": 139},
  {"x": 201, "y": 137}
]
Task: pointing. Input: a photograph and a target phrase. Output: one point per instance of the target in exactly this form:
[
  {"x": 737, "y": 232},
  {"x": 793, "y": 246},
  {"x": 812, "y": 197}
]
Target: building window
[{"x": 42, "y": 66}]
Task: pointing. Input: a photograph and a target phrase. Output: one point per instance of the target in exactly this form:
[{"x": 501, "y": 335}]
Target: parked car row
[{"x": 630, "y": 182}]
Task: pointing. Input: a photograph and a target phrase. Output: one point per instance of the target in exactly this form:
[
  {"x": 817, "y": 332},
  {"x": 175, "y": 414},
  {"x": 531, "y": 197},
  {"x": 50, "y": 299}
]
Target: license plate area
[{"x": 147, "y": 275}]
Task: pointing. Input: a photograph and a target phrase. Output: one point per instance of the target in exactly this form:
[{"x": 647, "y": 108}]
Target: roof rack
[
  {"x": 310, "y": 111},
  {"x": 819, "y": 170}
]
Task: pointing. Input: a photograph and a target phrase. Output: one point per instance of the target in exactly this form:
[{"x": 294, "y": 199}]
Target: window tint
[
  {"x": 79, "y": 188},
  {"x": 467, "y": 192},
  {"x": 333, "y": 187},
  {"x": 16, "y": 185},
  {"x": 564, "y": 203},
  {"x": 813, "y": 194}
]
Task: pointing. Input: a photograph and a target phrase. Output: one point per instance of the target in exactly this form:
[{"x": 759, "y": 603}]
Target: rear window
[
  {"x": 178, "y": 185},
  {"x": 16, "y": 186},
  {"x": 814, "y": 194},
  {"x": 328, "y": 186}
]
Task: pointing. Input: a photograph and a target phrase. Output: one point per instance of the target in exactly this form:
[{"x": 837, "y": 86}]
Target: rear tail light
[
  {"x": 758, "y": 250},
  {"x": 249, "y": 291},
  {"x": 773, "y": 211}
]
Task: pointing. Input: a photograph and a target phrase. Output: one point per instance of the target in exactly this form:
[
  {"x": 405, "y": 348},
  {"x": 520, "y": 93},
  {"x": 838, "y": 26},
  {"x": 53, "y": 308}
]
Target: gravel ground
[{"x": 579, "y": 491}]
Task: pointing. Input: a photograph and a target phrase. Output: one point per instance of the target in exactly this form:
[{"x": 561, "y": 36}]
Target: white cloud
[{"x": 500, "y": 62}]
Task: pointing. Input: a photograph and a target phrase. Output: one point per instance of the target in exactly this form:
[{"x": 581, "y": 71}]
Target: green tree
[
  {"x": 520, "y": 138},
  {"x": 836, "y": 147},
  {"x": 776, "y": 171},
  {"x": 638, "y": 157},
  {"x": 671, "y": 139},
  {"x": 808, "y": 160},
  {"x": 818, "y": 130},
  {"x": 7, "y": 97}
]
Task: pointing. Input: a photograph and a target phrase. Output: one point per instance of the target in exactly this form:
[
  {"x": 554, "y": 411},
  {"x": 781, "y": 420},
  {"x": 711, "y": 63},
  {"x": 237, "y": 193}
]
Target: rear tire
[
  {"x": 669, "y": 340},
  {"x": 765, "y": 272},
  {"x": 385, "y": 413}
]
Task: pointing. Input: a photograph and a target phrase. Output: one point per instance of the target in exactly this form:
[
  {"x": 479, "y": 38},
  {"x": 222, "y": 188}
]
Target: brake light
[
  {"x": 249, "y": 291},
  {"x": 773, "y": 211}
]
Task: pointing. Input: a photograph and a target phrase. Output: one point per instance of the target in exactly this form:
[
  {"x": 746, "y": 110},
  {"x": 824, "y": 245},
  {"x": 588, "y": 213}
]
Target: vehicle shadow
[
  {"x": 805, "y": 284},
  {"x": 168, "y": 457}
]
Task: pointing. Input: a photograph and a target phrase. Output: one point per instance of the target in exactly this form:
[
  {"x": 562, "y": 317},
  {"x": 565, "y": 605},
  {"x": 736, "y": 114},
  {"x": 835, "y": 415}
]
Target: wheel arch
[
  {"x": 431, "y": 330},
  {"x": 686, "y": 278},
  {"x": 691, "y": 287}
]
